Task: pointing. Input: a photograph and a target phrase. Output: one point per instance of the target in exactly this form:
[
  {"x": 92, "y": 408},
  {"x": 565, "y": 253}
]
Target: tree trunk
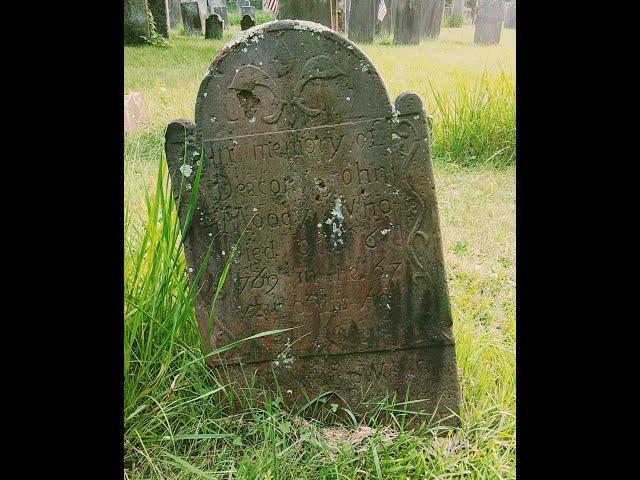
[{"x": 362, "y": 20}]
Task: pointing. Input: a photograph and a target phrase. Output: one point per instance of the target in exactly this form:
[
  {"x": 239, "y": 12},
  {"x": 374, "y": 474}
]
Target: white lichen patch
[
  {"x": 186, "y": 170},
  {"x": 188, "y": 186},
  {"x": 395, "y": 136},
  {"x": 385, "y": 231},
  {"x": 283, "y": 357},
  {"x": 204, "y": 94},
  {"x": 336, "y": 219},
  {"x": 348, "y": 99},
  {"x": 223, "y": 253},
  {"x": 244, "y": 50},
  {"x": 190, "y": 270}
]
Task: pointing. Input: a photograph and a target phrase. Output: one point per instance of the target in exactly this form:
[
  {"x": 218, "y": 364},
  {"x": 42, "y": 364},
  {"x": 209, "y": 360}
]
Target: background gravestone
[
  {"x": 488, "y": 22},
  {"x": 222, "y": 11},
  {"x": 407, "y": 22},
  {"x": 509, "y": 14},
  {"x": 247, "y": 22},
  {"x": 327, "y": 191},
  {"x": 191, "y": 19},
  {"x": 175, "y": 17},
  {"x": 136, "y": 24},
  {"x": 313, "y": 10},
  {"x": 247, "y": 9},
  {"x": 432, "y": 13},
  {"x": 457, "y": 9},
  {"x": 160, "y": 12},
  {"x": 214, "y": 27},
  {"x": 362, "y": 20}
]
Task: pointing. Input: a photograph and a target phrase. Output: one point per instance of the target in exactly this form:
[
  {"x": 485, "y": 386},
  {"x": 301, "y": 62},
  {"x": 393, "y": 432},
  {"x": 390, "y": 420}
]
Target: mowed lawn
[{"x": 172, "y": 427}]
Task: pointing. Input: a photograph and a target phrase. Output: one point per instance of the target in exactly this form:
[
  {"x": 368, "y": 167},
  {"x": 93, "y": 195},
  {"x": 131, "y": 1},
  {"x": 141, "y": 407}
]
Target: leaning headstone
[
  {"x": 509, "y": 14},
  {"x": 362, "y": 20},
  {"x": 247, "y": 22},
  {"x": 160, "y": 11},
  {"x": 214, "y": 27},
  {"x": 317, "y": 193},
  {"x": 135, "y": 112},
  {"x": 136, "y": 22},
  {"x": 407, "y": 22},
  {"x": 313, "y": 10},
  {"x": 488, "y": 22},
  {"x": 175, "y": 17},
  {"x": 191, "y": 18},
  {"x": 222, "y": 11},
  {"x": 386, "y": 27},
  {"x": 431, "y": 14}
]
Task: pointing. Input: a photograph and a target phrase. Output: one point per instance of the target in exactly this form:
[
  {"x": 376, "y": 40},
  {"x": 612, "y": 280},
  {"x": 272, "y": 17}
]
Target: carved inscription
[{"x": 318, "y": 195}]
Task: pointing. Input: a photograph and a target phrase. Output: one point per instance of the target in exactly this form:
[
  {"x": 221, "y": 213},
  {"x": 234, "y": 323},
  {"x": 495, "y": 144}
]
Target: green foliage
[
  {"x": 153, "y": 37},
  {"x": 454, "y": 21},
  {"x": 478, "y": 124}
]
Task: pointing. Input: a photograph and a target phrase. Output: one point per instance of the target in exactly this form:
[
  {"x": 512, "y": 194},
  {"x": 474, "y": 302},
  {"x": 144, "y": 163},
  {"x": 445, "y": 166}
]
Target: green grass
[
  {"x": 468, "y": 89},
  {"x": 175, "y": 427}
]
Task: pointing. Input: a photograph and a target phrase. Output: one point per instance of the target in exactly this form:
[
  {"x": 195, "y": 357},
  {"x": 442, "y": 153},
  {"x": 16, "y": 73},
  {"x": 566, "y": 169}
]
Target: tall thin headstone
[
  {"x": 160, "y": 12},
  {"x": 318, "y": 11},
  {"x": 432, "y": 13},
  {"x": 214, "y": 27},
  {"x": 407, "y": 22},
  {"x": 509, "y": 14},
  {"x": 247, "y": 22},
  {"x": 362, "y": 20},
  {"x": 318, "y": 194},
  {"x": 457, "y": 9},
  {"x": 488, "y": 22},
  {"x": 175, "y": 17},
  {"x": 136, "y": 21},
  {"x": 191, "y": 18}
]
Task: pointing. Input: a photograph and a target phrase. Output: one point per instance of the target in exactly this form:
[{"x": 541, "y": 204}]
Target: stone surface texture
[{"x": 317, "y": 191}]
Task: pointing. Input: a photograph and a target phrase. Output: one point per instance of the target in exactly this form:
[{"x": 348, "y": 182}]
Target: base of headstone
[
  {"x": 359, "y": 381},
  {"x": 134, "y": 112}
]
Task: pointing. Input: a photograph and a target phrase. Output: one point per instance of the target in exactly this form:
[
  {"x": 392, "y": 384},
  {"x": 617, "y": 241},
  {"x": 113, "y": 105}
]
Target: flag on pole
[
  {"x": 270, "y": 5},
  {"x": 382, "y": 10}
]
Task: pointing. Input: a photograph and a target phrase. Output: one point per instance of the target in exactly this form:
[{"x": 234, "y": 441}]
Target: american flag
[
  {"x": 270, "y": 5},
  {"x": 382, "y": 10}
]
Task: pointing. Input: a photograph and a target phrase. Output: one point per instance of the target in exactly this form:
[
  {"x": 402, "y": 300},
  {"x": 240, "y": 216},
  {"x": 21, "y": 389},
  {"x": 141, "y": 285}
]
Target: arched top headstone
[
  {"x": 323, "y": 190},
  {"x": 288, "y": 74}
]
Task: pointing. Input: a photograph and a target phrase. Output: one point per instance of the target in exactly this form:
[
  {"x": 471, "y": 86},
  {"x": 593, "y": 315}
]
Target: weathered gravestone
[
  {"x": 247, "y": 22},
  {"x": 327, "y": 190},
  {"x": 457, "y": 9},
  {"x": 362, "y": 20},
  {"x": 318, "y": 11},
  {"x": 488, "y": 22},
  {"x": 214, "y": 27},
  {"x": 160, "y": 11},
  {"x": 431, "y": 14},
  {"x": 191, "y": 18},
  {"x": 247, "y": 9},
  {"x": 136, "y": 22},
  {"x": 219, "y": 7},
  {"x": 175, "y": 17},
  {"x": 509, "y": 14},
  {"x": 135, "y": 112},
  {"x": 407, "y": 22}
]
